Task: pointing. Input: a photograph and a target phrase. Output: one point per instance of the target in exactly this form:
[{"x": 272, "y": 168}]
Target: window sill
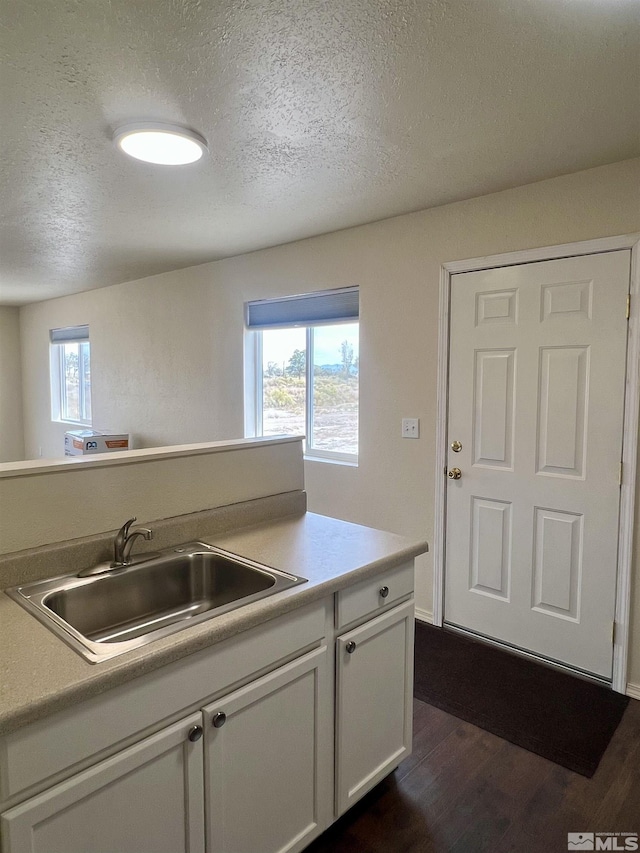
[{"x": 349, "y": 463}]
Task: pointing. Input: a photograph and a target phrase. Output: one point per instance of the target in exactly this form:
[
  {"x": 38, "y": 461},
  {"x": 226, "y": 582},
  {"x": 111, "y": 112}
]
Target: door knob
[
  {"x": 195, "y": 733},
  {"x": 456, "y": 446},
  {"x": 219, "y": 720},
  {"x": 455, "y": 474}
]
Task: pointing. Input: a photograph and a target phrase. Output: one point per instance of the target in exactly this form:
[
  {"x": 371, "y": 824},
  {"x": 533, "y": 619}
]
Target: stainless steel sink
[{"x": 112, "y": 612}]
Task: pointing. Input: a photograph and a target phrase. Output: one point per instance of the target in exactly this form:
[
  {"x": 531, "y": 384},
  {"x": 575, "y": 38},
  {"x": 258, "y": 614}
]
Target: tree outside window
[{"x": 310, "y": 385}]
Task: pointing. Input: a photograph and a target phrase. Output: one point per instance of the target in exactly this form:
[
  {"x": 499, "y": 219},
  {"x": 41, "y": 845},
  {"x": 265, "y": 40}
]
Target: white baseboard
[
  {"x": 633, "y": 690},
  {"x": 424, "y": 615}
]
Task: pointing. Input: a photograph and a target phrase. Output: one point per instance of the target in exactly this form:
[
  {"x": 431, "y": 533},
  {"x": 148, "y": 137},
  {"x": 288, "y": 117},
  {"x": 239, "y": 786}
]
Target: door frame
[{"x": 629, "y": 431}]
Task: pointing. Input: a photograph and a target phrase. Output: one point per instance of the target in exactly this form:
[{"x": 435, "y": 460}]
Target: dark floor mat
[{"x": 554, "y": 714}]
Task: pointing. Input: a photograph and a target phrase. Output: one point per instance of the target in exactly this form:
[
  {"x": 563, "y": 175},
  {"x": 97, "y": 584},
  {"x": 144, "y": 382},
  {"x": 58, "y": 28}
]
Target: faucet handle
[{"x": 124, "y": 530}]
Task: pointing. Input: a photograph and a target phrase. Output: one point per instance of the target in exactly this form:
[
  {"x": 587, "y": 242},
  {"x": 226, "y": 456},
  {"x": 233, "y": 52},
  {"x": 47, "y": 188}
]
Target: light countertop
[{"x": 40, "y": 674}]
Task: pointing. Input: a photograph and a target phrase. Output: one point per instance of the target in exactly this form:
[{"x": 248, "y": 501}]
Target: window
[
  {"x": 70, "y": 363},
  {"x": 303, "y": 371}
]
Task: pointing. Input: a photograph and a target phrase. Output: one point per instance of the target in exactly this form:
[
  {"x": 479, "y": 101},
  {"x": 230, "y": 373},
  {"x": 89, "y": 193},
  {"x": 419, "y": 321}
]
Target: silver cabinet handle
[
  {"x": 219, "y": 719},
  {"x": 195, "y": 733},
  {"x": 384, "y": 591},
  {"x": 350, "y": 647}
]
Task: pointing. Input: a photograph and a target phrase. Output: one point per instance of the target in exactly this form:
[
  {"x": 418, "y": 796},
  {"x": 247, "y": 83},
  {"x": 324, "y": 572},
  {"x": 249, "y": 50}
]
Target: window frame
[
  {"x": 254, "y": 391},
  {"x": 58, "y": 382}
]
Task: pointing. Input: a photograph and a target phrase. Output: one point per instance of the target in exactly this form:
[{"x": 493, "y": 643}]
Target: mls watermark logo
[
  {"x": 602, "y": 841},
  {"x": 580, "y": 841}
]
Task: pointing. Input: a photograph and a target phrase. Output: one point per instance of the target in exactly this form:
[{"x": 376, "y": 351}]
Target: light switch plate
[{"x": 411, "y": 427}]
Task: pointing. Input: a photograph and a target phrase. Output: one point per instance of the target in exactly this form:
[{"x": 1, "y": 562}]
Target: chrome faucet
[{"x": 123, "y": 543}]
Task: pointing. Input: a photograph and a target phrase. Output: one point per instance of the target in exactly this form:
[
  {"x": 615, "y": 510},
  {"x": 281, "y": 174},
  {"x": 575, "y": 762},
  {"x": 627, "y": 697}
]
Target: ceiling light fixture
[{"x": 162, "y": 144}]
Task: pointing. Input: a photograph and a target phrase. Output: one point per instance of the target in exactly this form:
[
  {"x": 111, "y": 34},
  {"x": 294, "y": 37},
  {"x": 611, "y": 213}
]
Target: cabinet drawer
[{"x": 368, "y": 597}]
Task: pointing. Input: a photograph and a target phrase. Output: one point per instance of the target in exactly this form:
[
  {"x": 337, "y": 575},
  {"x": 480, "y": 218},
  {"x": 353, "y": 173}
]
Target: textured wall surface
[
  {"x": 161, "y": 369},
  {"x": 320, "y": 114},
  {"x": 11, "y": 422},
  {"x": 79, "y": 500}
]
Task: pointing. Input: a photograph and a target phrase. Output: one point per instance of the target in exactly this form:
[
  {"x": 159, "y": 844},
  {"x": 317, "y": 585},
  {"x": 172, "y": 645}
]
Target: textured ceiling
[{"x": 320, "y": 114}]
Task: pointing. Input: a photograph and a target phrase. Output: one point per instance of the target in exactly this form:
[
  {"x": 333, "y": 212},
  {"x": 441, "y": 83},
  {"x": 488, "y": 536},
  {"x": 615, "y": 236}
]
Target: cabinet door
[
  {"x": 268, "y": 767},
  {"x": 374, "y": 702},
  {"x": 148, "y": 798}
]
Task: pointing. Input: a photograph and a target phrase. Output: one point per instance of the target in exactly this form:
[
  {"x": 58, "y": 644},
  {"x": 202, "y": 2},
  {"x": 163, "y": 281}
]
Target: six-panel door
[{"x": 536, "y": 398}]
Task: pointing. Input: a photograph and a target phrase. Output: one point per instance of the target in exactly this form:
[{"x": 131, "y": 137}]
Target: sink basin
[{"x": 110, "y": 613}]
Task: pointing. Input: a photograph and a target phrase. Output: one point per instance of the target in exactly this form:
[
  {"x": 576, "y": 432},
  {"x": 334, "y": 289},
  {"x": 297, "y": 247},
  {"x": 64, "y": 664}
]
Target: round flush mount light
[{"x": 162, "y": 144}]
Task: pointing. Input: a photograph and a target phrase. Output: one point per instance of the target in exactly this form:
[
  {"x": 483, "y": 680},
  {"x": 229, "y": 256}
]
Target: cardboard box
[{"x": 79, "y": 442}]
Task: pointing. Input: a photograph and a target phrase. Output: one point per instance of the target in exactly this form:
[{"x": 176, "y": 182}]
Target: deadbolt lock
[
  {"x": 456, "y": 446},
  {"x": 455, "y": 474}
]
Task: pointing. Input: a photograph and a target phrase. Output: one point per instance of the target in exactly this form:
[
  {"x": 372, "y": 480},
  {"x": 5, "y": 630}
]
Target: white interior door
[{"x": 536, "y": 399}]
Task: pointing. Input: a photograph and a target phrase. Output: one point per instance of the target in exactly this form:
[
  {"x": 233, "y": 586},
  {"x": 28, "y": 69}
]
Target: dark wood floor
[{"x": 464, "y": 790}]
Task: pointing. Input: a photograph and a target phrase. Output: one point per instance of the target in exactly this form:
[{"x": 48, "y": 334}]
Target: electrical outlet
[{"x": 411, "y": 428}]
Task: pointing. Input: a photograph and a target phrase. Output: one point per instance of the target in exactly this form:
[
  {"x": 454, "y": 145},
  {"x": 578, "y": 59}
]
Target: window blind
[
  {"x": 69, "y": 335},
  {"x": 309, "y": 309}
]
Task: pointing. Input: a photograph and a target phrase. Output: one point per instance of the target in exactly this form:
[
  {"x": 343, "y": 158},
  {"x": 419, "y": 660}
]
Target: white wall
[
  {"x": 11, "y": 424},
  {"x": 396, "y": 263},
  {"x": 160, "y": 365},
  {"x": 84, "y": 497}
]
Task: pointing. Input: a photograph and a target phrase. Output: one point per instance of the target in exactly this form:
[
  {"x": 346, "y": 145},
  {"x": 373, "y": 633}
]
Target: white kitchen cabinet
[
  {"x": 149, "y": 797},
  {"x": 374, "y": 675},
  {"x": 268, "y": 767},
  {"x": 117, "y": 773}
]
